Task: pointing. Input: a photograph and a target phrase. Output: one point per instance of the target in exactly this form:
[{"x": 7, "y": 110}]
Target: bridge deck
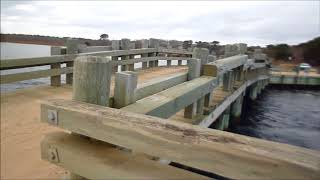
[{"x": 21, "y": 130}]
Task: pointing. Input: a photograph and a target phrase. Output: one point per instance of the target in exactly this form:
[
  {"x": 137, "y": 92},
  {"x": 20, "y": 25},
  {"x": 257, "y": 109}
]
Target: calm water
[
  {"x": 17, "y": 50},
  {"x": 287, "y": 116}
]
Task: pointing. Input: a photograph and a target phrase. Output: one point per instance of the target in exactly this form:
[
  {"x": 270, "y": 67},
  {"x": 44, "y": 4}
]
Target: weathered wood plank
[
  {"x": 168, "y": 102},
  {"x": 124, "y": 89},
  {"x": 9, "y": 78},
  {"x": 95, "y": 49},
  {"x": 174, "y": 51},
  {"x": 221, "y": 66},
  {"x": 148, "y": 59},
  {"x": 28, "y": 62},
  {"x": 92, "y": 78},
  {"x": 226, "y": 154},
  {"x": 159, "y": 84},
  {"x": 98, "y": 160}
]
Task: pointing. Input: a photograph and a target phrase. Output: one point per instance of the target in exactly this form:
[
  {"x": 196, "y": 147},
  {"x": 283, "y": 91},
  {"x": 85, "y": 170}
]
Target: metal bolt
[
  {"x": 53, "y": 155},
  {"x": 52, "y": 117}
]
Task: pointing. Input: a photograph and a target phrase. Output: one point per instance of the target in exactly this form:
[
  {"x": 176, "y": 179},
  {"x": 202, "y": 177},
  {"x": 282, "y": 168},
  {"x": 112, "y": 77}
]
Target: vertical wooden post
[
  {"x": 202, "y": 54},
  {"x": 236, "y": 108},
  {"x": 169, "y": 62},
  {"x": 193, "y": 72},
  {"x": 151, "y": 63},
  {"x": 153, "y": 43},
  {"x": 241, "y": 74},
  {"x": 131, "y": 66},
  {"x": 227, "y": 81},
  {"x": 211, "y": 58},
  {"x": 55, "y": 80},
  {"x": 92, "y": 79},
  {"x": 179, "y": 62},
  {"x": 115, "y": 45},
  {"x": 144, "y": 64},
  {"x": 226, "y": 118},
  {"x": 124, "y": 90},
  {"x": 144, "y": 44},
  {"x": 253, "y": 91},
  {"x": 124, "y": 45},
  {"x": 208, "y": 99},
  {"x": 72, "y": 48},
  {"x": 115, "y": 67}
]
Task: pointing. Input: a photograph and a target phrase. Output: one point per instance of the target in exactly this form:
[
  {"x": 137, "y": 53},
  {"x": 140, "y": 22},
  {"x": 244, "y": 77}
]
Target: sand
[{"x": 21, "y": 130}]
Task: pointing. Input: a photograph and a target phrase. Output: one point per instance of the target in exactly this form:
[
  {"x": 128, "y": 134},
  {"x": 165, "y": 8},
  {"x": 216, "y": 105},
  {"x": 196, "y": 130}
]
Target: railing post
[
  {"x": 236, "y": 108},
  {"x": 125, "y": 45},
  {"x": 194, "y": 66},
  {"x": 115, "y": 45},
  {"x": 125, "y": 87},
  {"x": 240, "y": 76},
  {"x": 72, "y": 48},
  {"x": 92, "y": 79},
  {"x": 227, "y": 81},
  {"x": 211, "y": 58},
  {"x": 153, "y": 43},
  {"x": 131, "y": 66},
  {"x": 253, "y": 91},
  {"x": 202, "y": 54},
  {"x": 55, "y": 80},
  {"x": 144, "y": 44}
]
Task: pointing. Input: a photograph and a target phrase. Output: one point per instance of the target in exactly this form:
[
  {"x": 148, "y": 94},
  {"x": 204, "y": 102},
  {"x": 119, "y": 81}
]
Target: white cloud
[
  {"x": 25, "y": 7},
  {"x": 253, "y": 22}
]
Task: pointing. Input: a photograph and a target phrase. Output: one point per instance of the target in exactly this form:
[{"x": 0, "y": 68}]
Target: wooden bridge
[{"x": 146, "y": 123}]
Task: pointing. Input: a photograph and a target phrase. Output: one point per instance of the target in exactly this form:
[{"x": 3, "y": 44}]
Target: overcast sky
[{"x": 252, "y": 22}]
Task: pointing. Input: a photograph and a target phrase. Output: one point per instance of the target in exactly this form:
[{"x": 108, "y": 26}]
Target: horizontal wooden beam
[
  {"x": 28, "y": 62},
  {"x": 9, "y": 78},
  {"x": 148, "y": 59},
  {"x": 98, "y": 160},
  {"x": 221, "y": 66},
  {"x": 159, "y": 84},
  {"x": 122, "y": 52},
  {"x": 170, "y": 101},
  {"x": 37, "y": 61},
  {"x": 226, "y": 154},
  {"x": 95, "y": 49},
  {"x": 174, "y": 51}
]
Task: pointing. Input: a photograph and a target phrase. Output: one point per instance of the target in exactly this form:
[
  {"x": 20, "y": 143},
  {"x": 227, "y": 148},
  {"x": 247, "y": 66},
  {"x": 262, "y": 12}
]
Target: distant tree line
[
  {"x": 308, "y": 52},
  {"x": 51, "y": 40},
  {"x": 311, "y": 51}
]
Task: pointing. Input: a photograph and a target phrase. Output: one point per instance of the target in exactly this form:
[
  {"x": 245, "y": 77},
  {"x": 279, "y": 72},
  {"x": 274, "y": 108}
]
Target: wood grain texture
[
  {"x": 98, "y": 160},
  {"x": 92, "y": 78},
  {"x": 226, "y": 154},
  {"x": 159, "y": 84},
  {"x": 9, "y": 78},
  {"x": 168, "y": 102}
]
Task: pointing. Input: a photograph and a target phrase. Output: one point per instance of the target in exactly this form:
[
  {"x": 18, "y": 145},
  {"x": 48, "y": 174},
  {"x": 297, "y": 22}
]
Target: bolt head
[{"x": 53, "y": 117}]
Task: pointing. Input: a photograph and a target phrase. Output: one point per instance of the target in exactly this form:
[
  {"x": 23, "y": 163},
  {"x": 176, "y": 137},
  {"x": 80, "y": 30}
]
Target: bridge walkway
[{"x": 21, "y": 130}]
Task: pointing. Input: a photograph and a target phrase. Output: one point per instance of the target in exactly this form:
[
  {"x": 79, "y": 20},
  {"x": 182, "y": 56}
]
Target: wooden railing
[
  {"x": 148, "y": 55},
  {"x": 137, "y": 124}
]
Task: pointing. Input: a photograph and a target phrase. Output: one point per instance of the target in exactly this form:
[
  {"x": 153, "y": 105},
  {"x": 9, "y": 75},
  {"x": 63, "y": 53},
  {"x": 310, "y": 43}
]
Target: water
[
  {"x": 17, "y": 50},
  {"x": 286, "y": 116}
]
